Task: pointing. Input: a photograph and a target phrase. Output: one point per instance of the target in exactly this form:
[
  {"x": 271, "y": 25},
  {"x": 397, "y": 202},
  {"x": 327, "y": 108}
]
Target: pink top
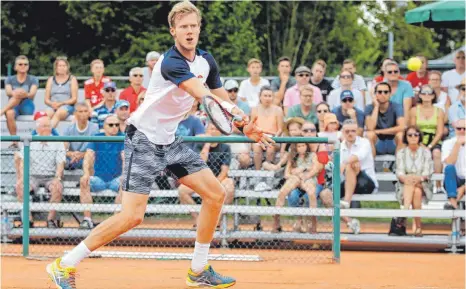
[{"x": 292, "y": 96}]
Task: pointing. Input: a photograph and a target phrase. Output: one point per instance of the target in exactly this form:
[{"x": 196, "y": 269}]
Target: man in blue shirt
[
  {"x": 107, "y": 107},
  {"x": 106, "y": 160},
  {"x": 401, "y": 91},
  {"x": 346, "y": 110},
  {"x": 456, "y": 110}
]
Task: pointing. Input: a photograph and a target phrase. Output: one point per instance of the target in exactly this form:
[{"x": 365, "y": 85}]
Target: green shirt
[{"x": 295, "y": 111}]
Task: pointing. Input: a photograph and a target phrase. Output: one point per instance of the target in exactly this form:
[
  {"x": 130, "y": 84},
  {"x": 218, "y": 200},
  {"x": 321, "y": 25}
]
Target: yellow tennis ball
[{"x": 414, "y": 64}]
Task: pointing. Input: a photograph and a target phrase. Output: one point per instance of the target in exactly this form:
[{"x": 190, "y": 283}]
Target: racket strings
[{"x": 218, "y": 116}]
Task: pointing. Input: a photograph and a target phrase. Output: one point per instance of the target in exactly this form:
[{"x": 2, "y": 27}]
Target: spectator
[
  {"x": 105, "y": 160},
  {"x": 429, "y": 119},
  {"x": 330, "y": 127},
  {"x": 108, "y": 105},
  {"x": 191, "y": 125},
  {"x": 81, "y": 127},
  {"x": 306, "y": 109},
  {"x": 457, "y": 108},
  {"x": 356, "y": 164},
  {"x": 358, "y": 80},
  {"x": 381, "y": 77},
  {"x": 402, "y": 92},
  {"x": 420, "y": 77},
  {"x": 322, "y": 109},
  {"x": 452, "y": 78},
  {"x": 284, "y": 80},
  {"x": 151, "y": 59},
  {"x": 47, "y": 162},
  {"x": 250, "y": 88},
  {"x": 122, "y": 109},
  {"x": 309, "y": 130},
  {"x": 61, "y": 91},
  {"x": 346, "y": 83},
  {"x": 454, "y": 158},
  {"x": 298, "y": 174},
  {"x": 38, "y": 115},
  {"x": 317, "y": 78},
  {"x": 346, "y": 110},
  {"x": 20, "y": 89},
  {"x": 270, "y": 119},
  {"x": 93, "y": 86},
  {"x": 135, "y": 88},
  {"x": 414, "y": 168},
  {"x": 141, "y": 97},
  {"x": 231, "y": 86},
  {"x": 302, "y": 75},
  {"x": 384, "y": 121},
  {"x": 443, "y": 101},
  {"x": 218, "y": 158}
]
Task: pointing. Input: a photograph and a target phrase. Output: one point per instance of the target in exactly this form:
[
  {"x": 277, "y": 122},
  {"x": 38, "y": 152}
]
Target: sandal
[{"x": 418, "y": 232}]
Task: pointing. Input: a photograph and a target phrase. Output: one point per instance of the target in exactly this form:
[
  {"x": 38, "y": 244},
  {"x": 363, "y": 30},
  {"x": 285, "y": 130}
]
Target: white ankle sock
[
  {"x": 201, "y": 251},
  {"x": 75, "y": 256}
]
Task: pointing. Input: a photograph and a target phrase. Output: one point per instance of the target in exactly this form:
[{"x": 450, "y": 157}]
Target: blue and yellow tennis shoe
[{"x": 208, "y": 278}]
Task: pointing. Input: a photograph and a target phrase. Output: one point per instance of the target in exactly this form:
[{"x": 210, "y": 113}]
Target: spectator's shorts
[
  {"x": 145, "y": 160},
  {"x": 297, "y": 195},
  {"x": 73, "y": 166},
  {"x": 38, "y": 181},
  {"x": 69, "y": 108},
  {"x": 25, "y": 107},
  {"x": 385, "y": 147},
  {"x": 97, "y": 184},
  {"x": 364, "y": 185}
]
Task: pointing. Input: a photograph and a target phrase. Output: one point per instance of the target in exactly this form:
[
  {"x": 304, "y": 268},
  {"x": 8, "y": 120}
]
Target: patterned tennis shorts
[{"x": 144, "y": 161}]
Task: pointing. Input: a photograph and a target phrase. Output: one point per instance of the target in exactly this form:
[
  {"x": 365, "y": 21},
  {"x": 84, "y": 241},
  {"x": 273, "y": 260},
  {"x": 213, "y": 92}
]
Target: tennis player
[{"x": 180, "y": 76}]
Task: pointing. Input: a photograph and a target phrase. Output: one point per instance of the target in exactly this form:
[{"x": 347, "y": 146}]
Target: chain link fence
[{"x": 266, "y": 212}]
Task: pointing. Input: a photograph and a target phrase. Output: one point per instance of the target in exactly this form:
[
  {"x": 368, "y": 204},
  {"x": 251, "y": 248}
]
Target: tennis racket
[{"x": 219, "y": 116}]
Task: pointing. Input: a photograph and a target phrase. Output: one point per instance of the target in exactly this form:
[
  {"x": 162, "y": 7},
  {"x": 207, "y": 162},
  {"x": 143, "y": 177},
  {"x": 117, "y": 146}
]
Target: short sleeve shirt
[
  {"x": 107, "y": 163},
  {"x": 218, "y": 156},
  {"x": 26, "y": 85},
  {"x": 387, "y": 119},
  {"x": 72, "y": 130},
  {"x": 93, "y": 91},
  {"x": 341, "y": 118},
  {"x": 275, "y": 84}
]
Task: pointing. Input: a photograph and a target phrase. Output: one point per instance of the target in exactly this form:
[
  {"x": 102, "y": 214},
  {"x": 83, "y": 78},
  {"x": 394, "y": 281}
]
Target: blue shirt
[
  {"x": 26, "y": 85},
  {"x": 72, "y": 130},
  {"x": 341, "y": 118},
  {"x": 244, "y": 106},
  {"x": 101, "y": 113},
  {"x": 191, "y": 126},
  {"x": 455, "y": 112},
  {"x": 107, "y": 162},
  {"x": 404, "y": 90},
  {"x": 387, "y": 119},
  {"x": 54, "y": 132}
]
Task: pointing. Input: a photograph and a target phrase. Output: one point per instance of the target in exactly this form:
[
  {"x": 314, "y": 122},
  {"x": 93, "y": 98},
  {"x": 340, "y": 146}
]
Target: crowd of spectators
[{"x": 419, "y": 119}]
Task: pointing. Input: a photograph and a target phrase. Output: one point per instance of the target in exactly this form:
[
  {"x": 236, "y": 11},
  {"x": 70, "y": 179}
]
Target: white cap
[
  {"x": 152, "y": 55},
  {"x": 230, "y": 84}
]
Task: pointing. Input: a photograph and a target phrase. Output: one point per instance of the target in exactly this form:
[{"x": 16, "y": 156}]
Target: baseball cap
[
  {"x": 230, "y": 84},
  {"x": 302, "y": 68},
  {"x": 329, "y": 118},
  {"x": 346, "y": 94},
  {"x": 121, "y": 103},
  {"x": 39, "y": 114},
  {"x": 152, "y": 55},
  {"x": 110, "y": 84}
]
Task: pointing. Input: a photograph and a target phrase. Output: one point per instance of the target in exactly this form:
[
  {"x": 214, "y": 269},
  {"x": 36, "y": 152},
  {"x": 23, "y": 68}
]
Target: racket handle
[{"x": 237, "y": 119}]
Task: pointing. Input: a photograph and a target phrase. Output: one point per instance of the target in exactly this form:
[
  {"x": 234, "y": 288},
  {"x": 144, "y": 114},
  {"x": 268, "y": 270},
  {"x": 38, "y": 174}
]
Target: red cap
[{"x": 39, "y": 114}]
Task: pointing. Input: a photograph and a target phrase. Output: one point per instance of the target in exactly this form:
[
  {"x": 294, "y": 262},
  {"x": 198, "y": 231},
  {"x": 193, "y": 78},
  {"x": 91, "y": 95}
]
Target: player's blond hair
[{"x": 183, "y": 8}]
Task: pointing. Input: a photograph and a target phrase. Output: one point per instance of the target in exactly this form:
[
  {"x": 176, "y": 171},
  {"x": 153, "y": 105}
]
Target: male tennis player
[{"x": 179, "y": 76}]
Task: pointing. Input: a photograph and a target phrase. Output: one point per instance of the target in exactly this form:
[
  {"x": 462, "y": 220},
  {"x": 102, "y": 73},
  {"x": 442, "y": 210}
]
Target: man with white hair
[
  {"x": 151, "y": 59},
  {"x": 135, "y": 88},
  {"x": 47, "y": 162}
]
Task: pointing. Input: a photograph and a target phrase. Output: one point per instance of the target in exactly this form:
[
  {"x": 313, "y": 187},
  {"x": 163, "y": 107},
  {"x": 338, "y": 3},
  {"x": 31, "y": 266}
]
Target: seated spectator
[
  {"x": 250, "y": 88},
  {"x": 38, "y": 115},
  {"x": 381, "y": 76},
  {"x": 420, "y": 77},
  {"x": 103, "y": 165},
  {"x": 141, "y": 97},
  {"x": 402, "y": 92},
  {"x": 217, "y": 157},
  {"x": 292, "y": 94},
  {"x": 231, "y": 86},
  {"x": 346, "y": 83},
  {"x": 322, "y": 109},
  {"x": 20, "y": 89},
  {"x": 191, "y": 125},
  {"x": 298, "y": 174},
  {"x": 81, "y": 127},
  {"x": 384, "y": 121},
  {"x": 457, "y": 108},
  {"x": 452, "y": 78},
  {"x": 108, "y": 105},
  {"x": 135, "y": 88},
  {"x": 330, "y": 127},
  {"x": 346, "y": 110},
  {"x": 151, "y": 59},
  {"x": 93, "y": 86},
  {"x": 356, "y": 164},
  {"x": 414, "y": 168},
  {"x": 443, "y": 101},
  {"x": 284, "y": 80},
  {"x": 309, "y": 130},
  {"x": 317, "y": 78},
  {"x": 358, "y": 80},
  {"x": 270, "y": 119},
  {"x": 61, "y": 91},
  {"x": 122, "y": 109},
  {"x": 454, "y": 158},
  {"x": 306, "y": 109},
  {"x": 47, "y": 162},
  {"x": 429, "y": 119}
]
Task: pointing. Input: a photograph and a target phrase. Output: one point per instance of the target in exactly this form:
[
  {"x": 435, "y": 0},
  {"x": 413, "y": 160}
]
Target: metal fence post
[
  {"x": 26, "y": 164},
  {"x": 336, "y": 202}
]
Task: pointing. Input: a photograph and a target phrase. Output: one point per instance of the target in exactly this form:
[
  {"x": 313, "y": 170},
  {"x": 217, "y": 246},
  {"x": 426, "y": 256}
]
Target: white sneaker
[
  {"x": 262, "y": 186},
  {"x": 355, "y": 226},
  {"x": 439, "y": 190},
  {"x": 344, "y": 205}
]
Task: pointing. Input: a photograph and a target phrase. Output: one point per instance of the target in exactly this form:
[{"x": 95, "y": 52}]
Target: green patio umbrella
[{"x": 439, "y": 14}]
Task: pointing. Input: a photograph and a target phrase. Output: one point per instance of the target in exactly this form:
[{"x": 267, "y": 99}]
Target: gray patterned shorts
[{"x": 144, "y": 161}]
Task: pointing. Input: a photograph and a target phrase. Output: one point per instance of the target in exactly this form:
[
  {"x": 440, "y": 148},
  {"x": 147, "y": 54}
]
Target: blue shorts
[
  {"x": 385, "y": 147},
  {"x": 75, "y": 165},
  {"x": 69, "y": 109},
  {"x": 295, "y": 196},
  {"x": 97, "y": 184},
  {"x": 25, "y": 107}
]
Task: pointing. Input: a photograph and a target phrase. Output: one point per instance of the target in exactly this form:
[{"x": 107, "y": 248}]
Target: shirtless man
[{"x": 270, "y": 118}]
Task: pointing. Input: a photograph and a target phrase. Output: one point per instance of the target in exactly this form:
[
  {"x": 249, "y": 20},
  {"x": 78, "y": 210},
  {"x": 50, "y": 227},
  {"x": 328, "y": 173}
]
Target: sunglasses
[
  {"x": 23, "y": 64},
  {"x": 463, "y": 88},
  {"x": 413, "y": 134},
  {"x": 393, "y": 71},
  {"x": 383, "y": 92},
  {"x": 322, "y": 111},
  {"x": 350, "y": 131},
  {"x": 461, "y": 129},
  {"x": 233, "y": 90},
  {"x": 460, "y": 57},
  {"x": 426, "y": 93},
  {"x": 113, "y": 124},
  {"x": 309, "y": 130},
  {"x": 138, "y": 75},
  {"x": 110, "y": 90},
  {"x": 347, "y": 100},
  {"x": 345, "y": 76},
  {"x": 304, "y": 75}
]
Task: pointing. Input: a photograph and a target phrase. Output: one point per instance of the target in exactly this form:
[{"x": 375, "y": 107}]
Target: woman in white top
[{"x": 443, "y": 101}]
